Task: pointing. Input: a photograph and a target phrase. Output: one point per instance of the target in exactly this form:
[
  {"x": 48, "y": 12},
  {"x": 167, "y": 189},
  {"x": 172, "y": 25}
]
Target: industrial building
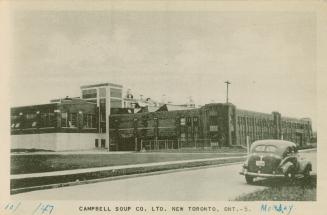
[
  {"x": 213, "y": 125},
  {"x": 102, "y": 118}
]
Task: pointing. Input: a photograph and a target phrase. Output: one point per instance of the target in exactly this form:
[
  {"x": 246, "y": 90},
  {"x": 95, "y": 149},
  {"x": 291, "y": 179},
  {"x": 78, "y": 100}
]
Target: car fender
[
  {"x": 291, "y": 159},
  {"x": 303, "y": 165},
  {"x": 287, "y": 167}
]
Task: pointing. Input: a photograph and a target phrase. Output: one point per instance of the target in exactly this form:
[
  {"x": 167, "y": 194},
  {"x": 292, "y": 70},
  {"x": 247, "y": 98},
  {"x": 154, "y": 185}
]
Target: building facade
[
  {"x": 99, "y": 119},
  {"x": 66, "y": 124},
  {"x": 106, "y": 96},
  {"x": 213, "y": 125}
]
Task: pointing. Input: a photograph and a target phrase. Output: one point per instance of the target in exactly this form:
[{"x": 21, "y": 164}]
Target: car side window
[
  {"x": 260, "y": 148},
  {"x": 271, "y": 148}
]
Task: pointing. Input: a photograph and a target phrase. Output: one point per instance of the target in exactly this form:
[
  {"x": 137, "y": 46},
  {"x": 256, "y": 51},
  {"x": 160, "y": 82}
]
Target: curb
[{"x": 308, "y": 150}]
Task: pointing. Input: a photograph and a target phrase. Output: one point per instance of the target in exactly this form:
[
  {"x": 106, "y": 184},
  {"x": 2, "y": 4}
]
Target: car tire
[
  {"x": 249, "y": 179},
  {"x": 306, "y": 173},
  {"x": 290, "y": 176}
]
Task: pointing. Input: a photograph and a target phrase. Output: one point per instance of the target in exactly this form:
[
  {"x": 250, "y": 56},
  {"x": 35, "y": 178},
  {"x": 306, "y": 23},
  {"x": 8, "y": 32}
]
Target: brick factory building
[
  {"x": 212, "y": 125},
  {"x": 102, "y": 118}
]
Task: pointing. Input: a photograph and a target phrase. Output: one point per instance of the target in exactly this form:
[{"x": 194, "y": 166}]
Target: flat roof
[{"x": 101, "y": 85}]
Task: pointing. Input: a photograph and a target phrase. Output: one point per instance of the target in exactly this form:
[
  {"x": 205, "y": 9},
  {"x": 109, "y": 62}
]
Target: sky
[{"x": 269, "y": 57}]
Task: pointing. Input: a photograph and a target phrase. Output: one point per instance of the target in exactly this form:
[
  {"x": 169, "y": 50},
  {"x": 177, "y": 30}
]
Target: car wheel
[
  {"x": 290, "y": 176},
  {"x": 306, "y": 173},
  {"x": 249, "y": 179}
]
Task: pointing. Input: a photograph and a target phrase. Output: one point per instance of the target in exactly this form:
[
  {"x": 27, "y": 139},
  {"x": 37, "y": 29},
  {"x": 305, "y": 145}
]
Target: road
[
  {"x": 214, "y": 183},
  {"x": 201, "y": 184}
]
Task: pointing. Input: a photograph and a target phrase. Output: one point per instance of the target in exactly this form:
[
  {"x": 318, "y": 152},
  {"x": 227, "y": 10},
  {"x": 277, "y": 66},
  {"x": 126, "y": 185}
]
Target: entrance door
[
  {"x": 126, "y": 144},
  {"x": 103, "y": 143}
]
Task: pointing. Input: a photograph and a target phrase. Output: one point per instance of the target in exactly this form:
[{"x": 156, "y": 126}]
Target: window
[
  {"x": 213, "y": 128},
  {"x": 89, "y": 121},
  {"x": 47, "y": 119},
  {"x": 189, "y": 121},
  {"x": 30, "y": 116},
  {"x": 102, "y": 92},
  {"x": 64, "y": 119},
  {"x": 195, "y": 121},
  {"x": 183, "y": 121},
  {"x": 102, "y": 127},
  {"x": 115, "y": 93},
  {"x": 115, "y": 103},
  {"x": 14, "y": 117},
  {"x": 85, "y": 121},
  {"x": 183, "y": 137},
  {"x": 213, "y": 120},
  {"x": 270, "y": 148},
  {"x": 213, "y": 113},
  {"x": 103, "y": 143},
  {"x": 72, "y": 119},
  {"x": 102, "y": 110},
  {"x": 260, "y": 148},
  {"x": 92, "y": 93}
]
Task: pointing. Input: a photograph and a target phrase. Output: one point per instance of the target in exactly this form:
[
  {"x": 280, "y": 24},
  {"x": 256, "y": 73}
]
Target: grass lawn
[
  {"x": 282, "y": 190},
  {"x": 203, "y": 150},
  {"x": 30, "y": 163}
]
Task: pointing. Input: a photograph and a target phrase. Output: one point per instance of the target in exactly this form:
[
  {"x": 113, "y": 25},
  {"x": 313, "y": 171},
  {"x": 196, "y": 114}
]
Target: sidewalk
[
  {"x": 98, "y": 152},
  {"x": 113, "y": 168}
]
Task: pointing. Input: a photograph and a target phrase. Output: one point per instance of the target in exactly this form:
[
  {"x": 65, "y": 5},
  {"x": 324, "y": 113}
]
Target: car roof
[{"x": 277, "y": 143}]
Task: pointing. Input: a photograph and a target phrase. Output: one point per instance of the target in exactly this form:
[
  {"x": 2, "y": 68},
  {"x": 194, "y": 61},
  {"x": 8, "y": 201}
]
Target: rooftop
[{"x": 102, "y": 85}]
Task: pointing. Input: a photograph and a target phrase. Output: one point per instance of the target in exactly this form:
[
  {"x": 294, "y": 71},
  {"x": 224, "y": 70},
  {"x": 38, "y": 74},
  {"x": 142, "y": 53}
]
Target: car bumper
[{"x": 261, "y": 175}]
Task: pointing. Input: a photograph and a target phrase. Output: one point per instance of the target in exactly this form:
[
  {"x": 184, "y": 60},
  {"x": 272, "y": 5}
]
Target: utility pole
[{"x": 227, "y": 83}]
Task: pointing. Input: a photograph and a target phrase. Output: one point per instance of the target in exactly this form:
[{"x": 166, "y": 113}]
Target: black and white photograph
[{"x": 162, "y": 104}]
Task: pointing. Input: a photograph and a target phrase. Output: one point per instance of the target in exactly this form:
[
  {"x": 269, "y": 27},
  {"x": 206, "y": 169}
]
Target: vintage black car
[{"x": 274, "y": 159}]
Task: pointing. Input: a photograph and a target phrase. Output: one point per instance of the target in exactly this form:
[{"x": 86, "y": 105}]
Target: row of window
[
  {"x": 50, "y": 120},
  {"x": 242, "y": 121},
  {"x": 31, "y": 121},
  {"x": 182, "y": 120},
  {"x": 253, "y": 121},
  {"x": 188, "y": 120},
  {"x": 72, "y": 120},
  {"x": 294, "y": 125}
]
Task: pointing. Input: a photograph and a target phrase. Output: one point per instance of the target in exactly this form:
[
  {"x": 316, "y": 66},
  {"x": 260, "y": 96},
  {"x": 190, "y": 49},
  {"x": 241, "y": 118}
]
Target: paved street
[
  {"x": 215, "y": 183},
  {"x": 218, "y": 183}
]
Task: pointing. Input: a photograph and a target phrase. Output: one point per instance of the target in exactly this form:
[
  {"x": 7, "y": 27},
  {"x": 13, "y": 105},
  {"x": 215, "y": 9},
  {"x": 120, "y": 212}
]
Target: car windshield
[{"x": 264, "y": 148}]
